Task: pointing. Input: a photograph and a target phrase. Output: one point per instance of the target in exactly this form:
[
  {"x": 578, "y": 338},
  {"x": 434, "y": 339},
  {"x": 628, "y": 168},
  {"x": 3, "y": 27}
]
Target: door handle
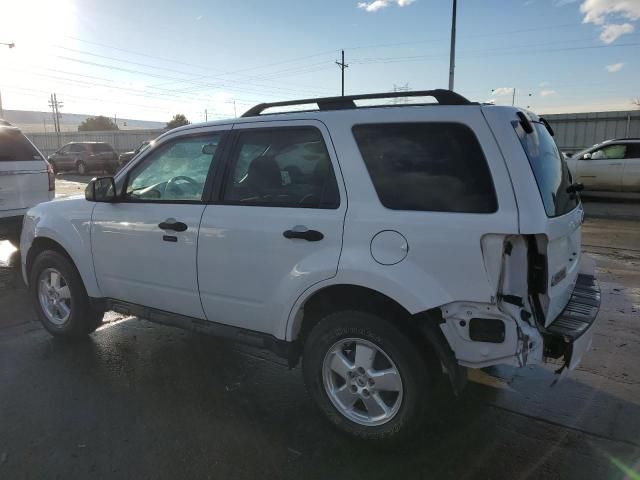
[
  {"x": 306, "y": 234},
  {"x": 171, "y": 224}
]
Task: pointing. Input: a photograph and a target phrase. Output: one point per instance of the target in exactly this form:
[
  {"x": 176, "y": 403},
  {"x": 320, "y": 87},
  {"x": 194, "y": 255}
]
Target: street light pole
[
  {"x": 10, "y": 45},
  {"x": 452, "y": 53}
]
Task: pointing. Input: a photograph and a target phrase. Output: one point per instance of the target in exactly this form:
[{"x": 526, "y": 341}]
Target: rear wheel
[
  {"x": 367, "y": 377},
  {"x": 59, "y": 296},
  {"x": 81, "y": 168}
]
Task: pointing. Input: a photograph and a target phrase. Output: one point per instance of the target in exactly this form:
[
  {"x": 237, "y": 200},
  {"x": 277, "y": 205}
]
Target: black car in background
[
  {"x": 127, "y": 156},
  {"x": 83, "y": 157}
]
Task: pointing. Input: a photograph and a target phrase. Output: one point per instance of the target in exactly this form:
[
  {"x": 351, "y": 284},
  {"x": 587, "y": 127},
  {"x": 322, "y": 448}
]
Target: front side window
[
  {"x": 612, "y": 152},
  {"x": 549, "y": 169},
  {"x": 177, "y": 171},
  {"x": 437, "y": 167},
  {"x": 283, "y": 167}
]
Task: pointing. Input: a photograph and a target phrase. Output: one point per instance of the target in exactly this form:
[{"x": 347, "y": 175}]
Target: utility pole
[
  {"x": 55, "y": 109},
  {"x": 342, "y": 66},
  {"x": 452, "y": 53},
  {"x": 1, "y": 110},
  {"x": 206, "y": 116},
  {"x": 513, "y": 97}
]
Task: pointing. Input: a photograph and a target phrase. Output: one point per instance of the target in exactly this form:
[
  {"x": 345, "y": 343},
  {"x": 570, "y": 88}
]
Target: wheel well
[
  {"x": 341, "y": 297},
  {"x": 40, "y": 244}
]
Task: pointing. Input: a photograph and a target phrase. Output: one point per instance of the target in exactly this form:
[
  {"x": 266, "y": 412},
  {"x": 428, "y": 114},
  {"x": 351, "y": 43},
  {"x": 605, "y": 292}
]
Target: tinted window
[
  {"x": 549, "y": 169},
  {"x": 633, "y": 150},
  {"x": 288, "y": 167},
  {"x": 102, "y": 148},
  {"x": 175, "y": 172},
  {"x": 15, "y": 147},
  {"x": 76, "y": 148},
  {"x": 437, "y": 167}
]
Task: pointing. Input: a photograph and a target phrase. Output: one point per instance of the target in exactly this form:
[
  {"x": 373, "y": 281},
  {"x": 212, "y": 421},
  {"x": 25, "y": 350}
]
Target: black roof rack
[{"x": 444, "y": 97}]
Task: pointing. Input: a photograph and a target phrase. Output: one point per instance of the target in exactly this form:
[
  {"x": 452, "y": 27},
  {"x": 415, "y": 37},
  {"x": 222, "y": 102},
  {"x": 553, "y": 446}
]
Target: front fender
[{"x": 68, "y": 223}]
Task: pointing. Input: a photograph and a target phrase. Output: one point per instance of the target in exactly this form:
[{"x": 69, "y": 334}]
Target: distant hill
[{"x": 33, "y": 122}]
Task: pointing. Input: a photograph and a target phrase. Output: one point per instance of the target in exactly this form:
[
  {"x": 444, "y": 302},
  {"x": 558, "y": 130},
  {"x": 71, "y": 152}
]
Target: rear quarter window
[
  {"x": 431, "y": 166},
  {"x": 15, "y": 147},
  {"x": 549, "y": 169}
]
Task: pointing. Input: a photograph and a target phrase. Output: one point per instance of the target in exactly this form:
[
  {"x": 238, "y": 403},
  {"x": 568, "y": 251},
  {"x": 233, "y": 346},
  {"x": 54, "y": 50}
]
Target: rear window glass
[
  {"x": 437, "y": 167},
  {"x": 14, "y": 147},
  {"x": 549, "y": 169}
]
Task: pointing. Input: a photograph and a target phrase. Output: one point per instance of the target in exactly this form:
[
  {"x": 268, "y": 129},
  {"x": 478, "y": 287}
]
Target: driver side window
[
  {"x": 612, "y": 152},
  {"x": 176, "y": 171}
]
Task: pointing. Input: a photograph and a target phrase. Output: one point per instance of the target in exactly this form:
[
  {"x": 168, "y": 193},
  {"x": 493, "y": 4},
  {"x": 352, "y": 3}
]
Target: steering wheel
[{"x": 171, "y": 183}]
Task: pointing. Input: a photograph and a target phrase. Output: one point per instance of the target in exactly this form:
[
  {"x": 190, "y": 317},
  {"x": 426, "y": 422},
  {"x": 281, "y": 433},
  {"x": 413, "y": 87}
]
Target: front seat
[{"x": 263, "y": 176}]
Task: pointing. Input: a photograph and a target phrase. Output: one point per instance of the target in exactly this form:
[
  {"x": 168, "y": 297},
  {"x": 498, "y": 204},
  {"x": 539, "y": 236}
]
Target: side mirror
[
  {"x": 209, "y": 148},
  {"x": 102, "y": 189},
  {"x": 586, "y": 156}
]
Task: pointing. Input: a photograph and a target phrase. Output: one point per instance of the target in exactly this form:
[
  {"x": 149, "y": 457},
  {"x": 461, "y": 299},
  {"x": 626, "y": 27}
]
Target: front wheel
[
  {"x": 368, "y": 377},
  {"x": 59, "y": 297}
]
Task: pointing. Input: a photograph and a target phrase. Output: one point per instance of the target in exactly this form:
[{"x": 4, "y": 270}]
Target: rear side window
[
  {"x": 282, "y": 167},
  {"x": 438, "y": 167},
  {"x": 102, "y": 148},
  {"x": 15, "y": 147},
  {"x": 549, "y": 169}
]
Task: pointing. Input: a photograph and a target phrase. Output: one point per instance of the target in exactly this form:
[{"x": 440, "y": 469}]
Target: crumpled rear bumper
[{"x": 570, "y": 335}]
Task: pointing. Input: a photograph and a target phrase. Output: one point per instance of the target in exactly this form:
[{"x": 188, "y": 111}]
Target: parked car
[
  {"x": 26, "y": 179},
  {"x": 84, "y": 157},
  {"x": 611, "y": 166},
  {"x": 127, "y": 156},
  {"x": 460, "y": 247}
]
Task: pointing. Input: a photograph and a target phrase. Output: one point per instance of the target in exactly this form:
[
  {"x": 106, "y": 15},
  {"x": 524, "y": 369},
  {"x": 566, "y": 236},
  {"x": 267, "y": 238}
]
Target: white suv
[
  {"x": 385, "y": 246},
  {"x": 26, "y": 179}
]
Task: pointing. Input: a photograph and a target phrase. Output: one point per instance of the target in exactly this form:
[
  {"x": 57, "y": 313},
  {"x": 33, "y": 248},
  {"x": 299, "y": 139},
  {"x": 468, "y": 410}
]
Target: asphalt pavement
[{"x": 139, "y": 400}]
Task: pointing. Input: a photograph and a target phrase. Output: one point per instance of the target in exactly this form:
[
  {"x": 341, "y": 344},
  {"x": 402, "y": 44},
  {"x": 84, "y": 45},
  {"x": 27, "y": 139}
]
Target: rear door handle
[
  {"x": 171, "y": 224},
  {"x": 304, "y": 234}
]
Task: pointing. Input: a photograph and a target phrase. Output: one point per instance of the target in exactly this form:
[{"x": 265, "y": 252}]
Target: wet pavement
[{"x": 138, "y": 400}]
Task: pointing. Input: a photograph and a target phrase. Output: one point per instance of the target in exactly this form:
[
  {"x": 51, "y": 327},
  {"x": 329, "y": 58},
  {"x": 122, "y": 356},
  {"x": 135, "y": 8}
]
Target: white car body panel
[
  {"x": 134, "y": 264},
  {"x": 66, "y": 221},
  {"x": 249, "y": 273},
  {"x": 631, "y": 175}
]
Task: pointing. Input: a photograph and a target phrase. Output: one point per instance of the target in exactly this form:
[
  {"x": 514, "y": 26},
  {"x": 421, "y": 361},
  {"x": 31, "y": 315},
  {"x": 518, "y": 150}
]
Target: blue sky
[{"x": 149, "y": 60}]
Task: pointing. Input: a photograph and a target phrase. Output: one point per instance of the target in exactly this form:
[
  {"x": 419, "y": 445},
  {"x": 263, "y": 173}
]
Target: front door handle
[
  {"x": 306, "y": 234},
  {"x": 171, "y": 224}
]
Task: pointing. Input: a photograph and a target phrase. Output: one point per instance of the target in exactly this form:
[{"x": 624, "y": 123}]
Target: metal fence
[
  {"x": 120, "y": 140},
  {"x": 575, "y": 131}
]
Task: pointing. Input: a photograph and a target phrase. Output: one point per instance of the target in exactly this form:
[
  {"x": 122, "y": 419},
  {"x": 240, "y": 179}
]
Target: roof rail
[{"x": 444, "y": 97}]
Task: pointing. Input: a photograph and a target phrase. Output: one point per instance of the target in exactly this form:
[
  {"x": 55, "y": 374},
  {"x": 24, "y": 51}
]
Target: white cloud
[
  {"x": 612, "y": 31},
  {"x": 547, "y": 93},
  {"x": 544, "y": 84},
  {"x": 598, "y": 11},
  {"x": 616, "y": 67},
  {"x": 376, "y": 5},
  {"x": 502, "y": 91},
  {"x": 607, "y": 15}
]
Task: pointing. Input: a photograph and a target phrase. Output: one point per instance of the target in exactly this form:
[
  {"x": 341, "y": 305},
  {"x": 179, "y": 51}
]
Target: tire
[
  {"x": 407, "y": 404},
  {"x": 82, "y": 319},
  {"x": 81, "y": 168}
]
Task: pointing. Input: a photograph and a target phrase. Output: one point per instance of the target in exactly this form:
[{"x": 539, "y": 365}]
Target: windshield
[{"x": 549, "y": 169}]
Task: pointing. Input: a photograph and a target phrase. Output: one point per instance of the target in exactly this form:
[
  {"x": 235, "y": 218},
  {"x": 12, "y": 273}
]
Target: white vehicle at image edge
[
  {"x": 384, "y": 246},
  {"x": 26, "y": 179},
  {"x": 608, "y": 167}
]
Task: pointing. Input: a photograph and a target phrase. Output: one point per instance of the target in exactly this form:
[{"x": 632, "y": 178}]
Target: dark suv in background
[{"x": 83, "y": 157}]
